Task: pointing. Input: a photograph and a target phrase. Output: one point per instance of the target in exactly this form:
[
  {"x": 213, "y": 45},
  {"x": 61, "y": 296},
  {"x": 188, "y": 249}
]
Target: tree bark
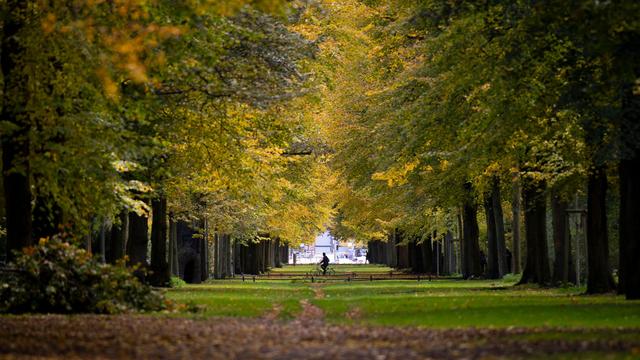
[
  {"x": 629, "y": 170},
  {"x": 204, "y": 251},
  {"x": 493, "y": 267},
  {"x": 599, "y": 279},
  {"x": 563, "y": 271},
  {"x": 278, "y": 258},
  {"x": 119, "y": 234},
  {"x": 138, "y": 239},
  {"x": 427, "y": 255},
  {"x": 448, "y": 254},
  {"x": 103, "y": 242},
  {"x": 471, "y": 252},
  {"x": 173, "y": 246},
  {"x": 46, "y": 216},
  {"x": 498, "y": 217},
  {"x": 16, "y": 146},
  {"x": 537, "y": 262},
  {"x": 161, "y": 275},
  {"x": 515, "y": 225}
]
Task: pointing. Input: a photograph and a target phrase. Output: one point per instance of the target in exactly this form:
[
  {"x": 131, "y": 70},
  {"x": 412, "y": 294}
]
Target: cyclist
[{"x": 324, "y": 263}]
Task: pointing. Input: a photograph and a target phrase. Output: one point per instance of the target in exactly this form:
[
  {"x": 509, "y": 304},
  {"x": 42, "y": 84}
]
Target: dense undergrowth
[{"x": 56, "y": 276}]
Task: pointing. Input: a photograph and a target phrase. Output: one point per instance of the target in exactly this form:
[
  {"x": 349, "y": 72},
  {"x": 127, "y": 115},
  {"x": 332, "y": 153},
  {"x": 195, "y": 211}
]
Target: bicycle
[{"x": 318, "y": 271}]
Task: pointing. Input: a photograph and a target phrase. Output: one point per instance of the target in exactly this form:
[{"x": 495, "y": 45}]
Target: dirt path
[
  {"x": 274, "y": 313},
  {"x": 145, "y": 337},
  {"x": 311, "y": 315}
]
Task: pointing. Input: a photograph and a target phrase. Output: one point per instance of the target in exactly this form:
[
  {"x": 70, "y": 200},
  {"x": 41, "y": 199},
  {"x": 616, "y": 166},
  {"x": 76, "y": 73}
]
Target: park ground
[{"x": 289, "y": 318}]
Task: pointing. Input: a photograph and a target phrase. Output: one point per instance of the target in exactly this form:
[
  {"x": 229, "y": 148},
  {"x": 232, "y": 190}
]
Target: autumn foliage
[{"x": 56, "y": 276}]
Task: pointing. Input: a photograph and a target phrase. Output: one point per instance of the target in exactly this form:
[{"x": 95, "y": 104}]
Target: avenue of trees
[
  {"x": 448, "y": 117},
  {"x": 125, "y": 122},
  {"x": 432, "y": 130}
]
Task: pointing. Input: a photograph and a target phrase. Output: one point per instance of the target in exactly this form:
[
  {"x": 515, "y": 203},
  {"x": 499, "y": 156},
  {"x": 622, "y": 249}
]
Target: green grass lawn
[
  {"x": 243, "y": 299},
  {"x": 340, "y": 269},
  {"x": 447, "y": 303},
  {"x": 437, "y": 303}
]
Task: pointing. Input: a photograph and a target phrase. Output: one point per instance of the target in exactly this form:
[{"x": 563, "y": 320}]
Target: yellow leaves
[
  {"x": 396, "y": 175},
  {"x": 123, "y": 166},
  {"x": 137, "y": 71},
  {"x": 444, "y": 164},
  {"x": 110, "y": 87},
  {"x": 49, "y": 23},
  {"x": 493, "y": 168}
]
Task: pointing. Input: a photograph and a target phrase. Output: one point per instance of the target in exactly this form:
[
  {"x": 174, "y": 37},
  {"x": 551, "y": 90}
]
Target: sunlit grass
[
  {"x": 243, "y": 299},
  {"x": 437, "y": 303},
  {"x": 446, "y": 303}
]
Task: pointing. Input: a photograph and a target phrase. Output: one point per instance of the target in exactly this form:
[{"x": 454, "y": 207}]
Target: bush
[
  {"x": 58, "y": 277},
  {"x": 177, "y": 282}
]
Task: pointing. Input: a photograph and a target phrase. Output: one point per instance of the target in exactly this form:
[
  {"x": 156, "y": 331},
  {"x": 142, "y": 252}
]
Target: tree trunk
[
  {"x": 427, "y": 255},
  {"x": 138, "y": 239},
  {"x": 563, "y": 271},
  {"x": 119, "y": 234},
  {"x": 471, "y": 249},
  {"x": 599, "y": 279},
  {"x": 515, "y": 225},
  {"x": 630, "y": 227},
  {"x": 391, "y": 252},
  {"x": 448, "y": 268},
  {"x": 498, "y": 217},
  {"x": 460, "y": 258},
  {"x": 15, "y": 146},
  {"x": 46, "y": 217},
  {"x": 204, "y": 251},
  {"x": 629, "y": 172},
  {"x": 493, "y": 268},
  {"x": 173, "y": 246},
  {"x": 277, "y": 254},
  {"x": 537, "y": 262},
  {"x": 161, "y": 274},
  {"x": 103, "y": 242}
]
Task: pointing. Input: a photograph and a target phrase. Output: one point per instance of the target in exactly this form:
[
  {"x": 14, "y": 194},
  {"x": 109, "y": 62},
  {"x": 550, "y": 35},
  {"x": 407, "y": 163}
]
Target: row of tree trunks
[
  {"x": 563, "y": 267},
  {"x": 222, "y": 256},
  {"x": 257, "y": 257},
  {"x": 416, "y": 254},
  {"x": 376, "y": 252}
]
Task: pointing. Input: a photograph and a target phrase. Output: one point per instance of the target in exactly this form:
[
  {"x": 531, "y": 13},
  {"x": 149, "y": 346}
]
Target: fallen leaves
[{"x": 146, "y": 337}]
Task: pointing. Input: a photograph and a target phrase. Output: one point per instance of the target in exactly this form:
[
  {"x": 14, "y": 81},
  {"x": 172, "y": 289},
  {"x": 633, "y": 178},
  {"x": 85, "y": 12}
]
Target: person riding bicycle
[{"x": 324, "y": 263}]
